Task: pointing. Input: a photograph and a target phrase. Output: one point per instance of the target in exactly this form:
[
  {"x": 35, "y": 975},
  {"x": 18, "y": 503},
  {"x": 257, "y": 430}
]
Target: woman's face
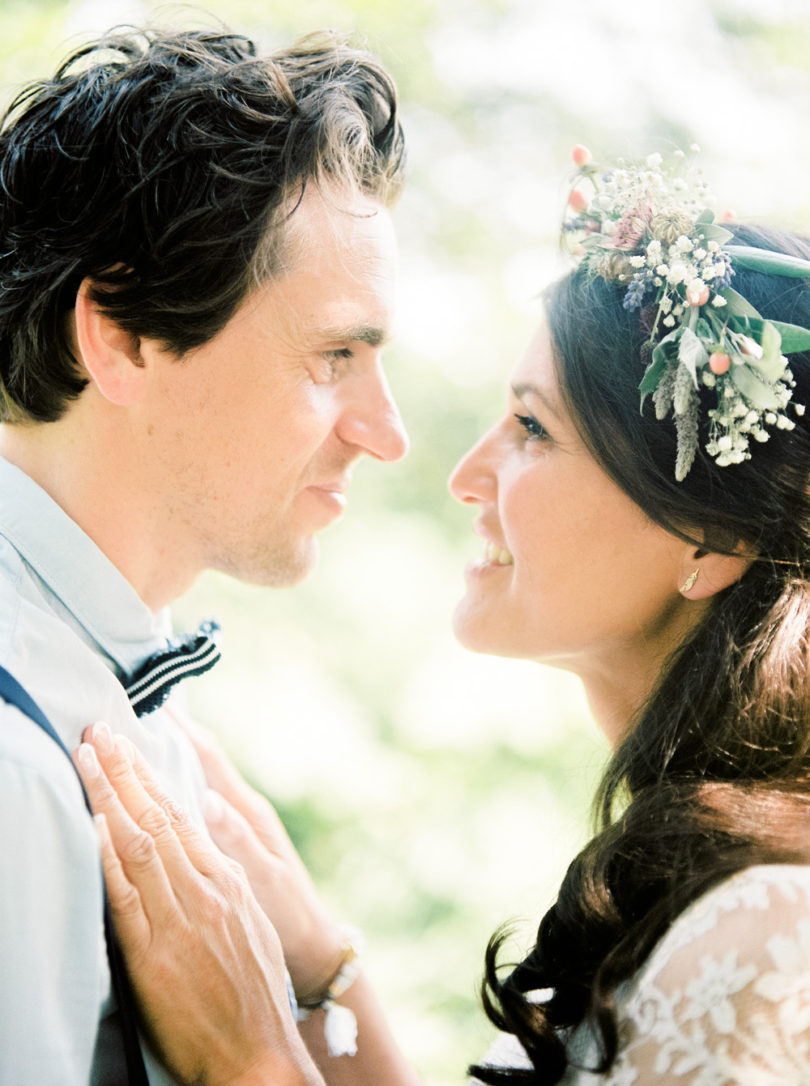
[{"x": 572, "y": 572}]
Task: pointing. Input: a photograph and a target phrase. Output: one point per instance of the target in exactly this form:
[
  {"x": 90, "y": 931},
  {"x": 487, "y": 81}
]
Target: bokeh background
[{"x": 436, "y": 794}]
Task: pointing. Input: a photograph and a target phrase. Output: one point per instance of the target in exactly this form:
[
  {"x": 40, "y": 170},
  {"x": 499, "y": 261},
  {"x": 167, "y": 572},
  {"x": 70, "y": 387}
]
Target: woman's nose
[{"x": 473, "y": 479}]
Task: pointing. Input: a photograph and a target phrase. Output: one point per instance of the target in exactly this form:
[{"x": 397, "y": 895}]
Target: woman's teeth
[{"x": 495, "y": 554}]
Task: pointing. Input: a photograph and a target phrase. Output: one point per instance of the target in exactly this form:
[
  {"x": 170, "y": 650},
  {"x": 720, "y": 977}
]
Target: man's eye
[
  {"x": 330, "y": 363},
  {"x": 341, "y": 354},
  {"x": 532, "y": 427}
]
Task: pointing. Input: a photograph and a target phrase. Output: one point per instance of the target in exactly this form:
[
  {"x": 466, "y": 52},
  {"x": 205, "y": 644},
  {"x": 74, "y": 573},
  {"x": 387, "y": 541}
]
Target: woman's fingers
[
  {"x": 108, "y": 777},
  {"x": 237, "y": 838},
  {"x": 206, "y": 964},
  {"x": 126, "y": 905},
  {"x": 126, "y": 773},
  {"x": 137, "y": 867},
  {"x": 312, "y": 941},
  {"x": 223, "y": 778},
  {"x": 246, "y": 827}
]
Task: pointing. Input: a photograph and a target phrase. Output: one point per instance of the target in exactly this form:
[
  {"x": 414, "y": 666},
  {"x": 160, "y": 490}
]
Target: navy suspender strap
[{"x": 14, "y": 694}]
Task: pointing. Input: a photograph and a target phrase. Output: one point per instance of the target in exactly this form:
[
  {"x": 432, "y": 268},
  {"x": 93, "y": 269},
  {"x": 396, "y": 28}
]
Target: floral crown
[{"x": 648, "y": 226}]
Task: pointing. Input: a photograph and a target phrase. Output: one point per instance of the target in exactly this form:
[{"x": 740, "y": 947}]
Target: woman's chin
[
  {"x": 465, "y": 632},
  {"x": 472, "y": 630}
]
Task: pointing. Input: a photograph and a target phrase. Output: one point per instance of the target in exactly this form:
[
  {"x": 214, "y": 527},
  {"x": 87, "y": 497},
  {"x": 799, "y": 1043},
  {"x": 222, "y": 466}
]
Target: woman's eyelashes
[{"x": 534, "y": 429}]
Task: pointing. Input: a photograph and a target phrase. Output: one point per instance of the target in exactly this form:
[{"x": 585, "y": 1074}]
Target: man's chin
[
  {"x": 283, "y": 568},
  {"x": 294, "y": 568}
]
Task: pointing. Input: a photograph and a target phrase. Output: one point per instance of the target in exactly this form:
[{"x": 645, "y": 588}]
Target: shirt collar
[{"x": 78, "y": 573}]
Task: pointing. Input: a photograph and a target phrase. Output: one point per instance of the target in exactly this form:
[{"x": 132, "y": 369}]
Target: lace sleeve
[
  {"x": 723, "y": 1000},
  {"x": 725, "y": 996}
]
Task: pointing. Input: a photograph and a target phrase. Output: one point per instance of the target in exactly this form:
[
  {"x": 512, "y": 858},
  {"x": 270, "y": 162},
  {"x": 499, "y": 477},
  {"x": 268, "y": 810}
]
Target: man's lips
[{"x": 338, "y": 488}]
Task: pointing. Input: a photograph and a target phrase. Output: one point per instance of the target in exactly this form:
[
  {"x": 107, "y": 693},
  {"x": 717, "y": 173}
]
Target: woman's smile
[{"x": 571, "y": 571}]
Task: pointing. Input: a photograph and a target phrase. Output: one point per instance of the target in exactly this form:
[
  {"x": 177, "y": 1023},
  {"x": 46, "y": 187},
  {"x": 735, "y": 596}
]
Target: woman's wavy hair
[
  {"x": 164, "y": 168},
  {"x": 714, "y": 773}
]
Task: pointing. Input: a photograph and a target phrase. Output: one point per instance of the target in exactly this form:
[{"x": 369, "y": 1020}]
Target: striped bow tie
[{"x": 192, "y": 654}]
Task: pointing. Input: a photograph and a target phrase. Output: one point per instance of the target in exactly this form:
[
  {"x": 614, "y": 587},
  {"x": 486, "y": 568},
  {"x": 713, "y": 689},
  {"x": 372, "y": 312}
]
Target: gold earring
[{"x": 689, "y": 583}]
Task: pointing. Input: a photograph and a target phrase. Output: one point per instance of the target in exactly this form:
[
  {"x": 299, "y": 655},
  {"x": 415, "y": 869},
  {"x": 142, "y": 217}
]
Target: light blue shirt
[{"x": 69, "y": 625}]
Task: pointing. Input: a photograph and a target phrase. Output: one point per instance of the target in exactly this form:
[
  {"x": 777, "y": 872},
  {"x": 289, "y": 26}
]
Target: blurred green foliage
[{"x": 434, "y": 794}]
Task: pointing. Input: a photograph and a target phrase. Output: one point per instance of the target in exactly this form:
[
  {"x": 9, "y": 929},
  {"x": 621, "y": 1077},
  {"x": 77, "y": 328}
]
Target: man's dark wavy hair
[{"x": 163, "y": 168}]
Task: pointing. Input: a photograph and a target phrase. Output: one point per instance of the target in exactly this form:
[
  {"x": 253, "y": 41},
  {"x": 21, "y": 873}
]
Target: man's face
[{"x": 256, "y": 431}]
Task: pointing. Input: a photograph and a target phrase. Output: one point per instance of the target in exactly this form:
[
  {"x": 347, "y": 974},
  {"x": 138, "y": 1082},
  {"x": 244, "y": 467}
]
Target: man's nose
[{"x": 373, "y": 422}]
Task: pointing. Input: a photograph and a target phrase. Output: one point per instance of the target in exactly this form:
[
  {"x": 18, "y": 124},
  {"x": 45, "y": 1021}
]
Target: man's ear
[
  {"x": 704, "y": 573},
  {"x": 110, "y": 355}
]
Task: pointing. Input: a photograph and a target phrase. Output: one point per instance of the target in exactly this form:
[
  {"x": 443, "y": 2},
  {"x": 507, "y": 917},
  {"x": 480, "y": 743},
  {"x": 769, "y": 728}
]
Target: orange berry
[
  {"x": 576, "y": 201},
  {"x": 581, "y": 155},
  {"x": 697, "y": 295},
  {"x": 719, "y": 362}
]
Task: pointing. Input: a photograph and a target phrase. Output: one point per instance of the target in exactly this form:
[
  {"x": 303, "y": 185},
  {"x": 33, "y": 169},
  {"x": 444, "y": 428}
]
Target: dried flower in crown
[{"x": 649, "y": 226}]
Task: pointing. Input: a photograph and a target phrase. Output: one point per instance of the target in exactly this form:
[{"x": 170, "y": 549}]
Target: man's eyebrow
[
  {"x": 371, "y": 334},
  {"x": 527, "y": 389}
]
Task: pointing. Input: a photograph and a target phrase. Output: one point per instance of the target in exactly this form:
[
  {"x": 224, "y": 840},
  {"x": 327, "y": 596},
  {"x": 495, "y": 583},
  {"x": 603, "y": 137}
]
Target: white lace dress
[{"x": 724, "y": 998}]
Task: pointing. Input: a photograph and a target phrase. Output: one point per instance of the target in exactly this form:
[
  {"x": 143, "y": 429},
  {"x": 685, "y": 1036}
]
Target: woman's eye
[{"x": 532, "y": 427}]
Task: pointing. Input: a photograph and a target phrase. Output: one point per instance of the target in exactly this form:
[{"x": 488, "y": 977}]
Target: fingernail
[
  {"x": 103, "y": 830},
  {"x": 125, "y": 747},
  {"x": 102, "y": 737},
  {"x": 87, "y": 760},
  {"x": 213, "y": 808}
]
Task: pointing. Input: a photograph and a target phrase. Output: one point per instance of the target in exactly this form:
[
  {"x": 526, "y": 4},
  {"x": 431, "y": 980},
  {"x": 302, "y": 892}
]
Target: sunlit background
[{"x": 436, "y": 794}]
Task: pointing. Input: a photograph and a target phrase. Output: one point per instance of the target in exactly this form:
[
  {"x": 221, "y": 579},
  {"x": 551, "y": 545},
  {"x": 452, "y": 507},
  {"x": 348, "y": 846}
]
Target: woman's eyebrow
[{"x": 526, "y": 388}]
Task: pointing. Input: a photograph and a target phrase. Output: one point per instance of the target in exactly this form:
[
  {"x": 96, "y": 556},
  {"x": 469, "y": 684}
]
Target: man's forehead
[
  {"x": 339, "y": 220},
  {"x": 321, "y": 311},
  {"x": 335, "y": 281}
]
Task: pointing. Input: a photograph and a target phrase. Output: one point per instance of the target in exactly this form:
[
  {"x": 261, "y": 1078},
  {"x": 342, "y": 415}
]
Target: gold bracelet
[
  {"x": 340, "y": 1024},
  {"x": 344, "y": 975}
]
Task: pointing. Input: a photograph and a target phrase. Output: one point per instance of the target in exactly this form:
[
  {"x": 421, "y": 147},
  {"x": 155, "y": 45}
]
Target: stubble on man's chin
[{"x": 279, "y": 567}]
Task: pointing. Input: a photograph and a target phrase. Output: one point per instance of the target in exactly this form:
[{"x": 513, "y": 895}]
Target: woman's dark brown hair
[
  {"x": 714, "y": 773},
  {"x": 164, "y": 167}
]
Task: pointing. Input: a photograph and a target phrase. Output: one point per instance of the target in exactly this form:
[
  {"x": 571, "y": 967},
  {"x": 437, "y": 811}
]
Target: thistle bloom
[{"x": 634, "y": 295}]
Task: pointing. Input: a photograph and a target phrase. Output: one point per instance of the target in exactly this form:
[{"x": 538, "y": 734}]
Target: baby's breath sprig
[{"x": 649, "y": 226}]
